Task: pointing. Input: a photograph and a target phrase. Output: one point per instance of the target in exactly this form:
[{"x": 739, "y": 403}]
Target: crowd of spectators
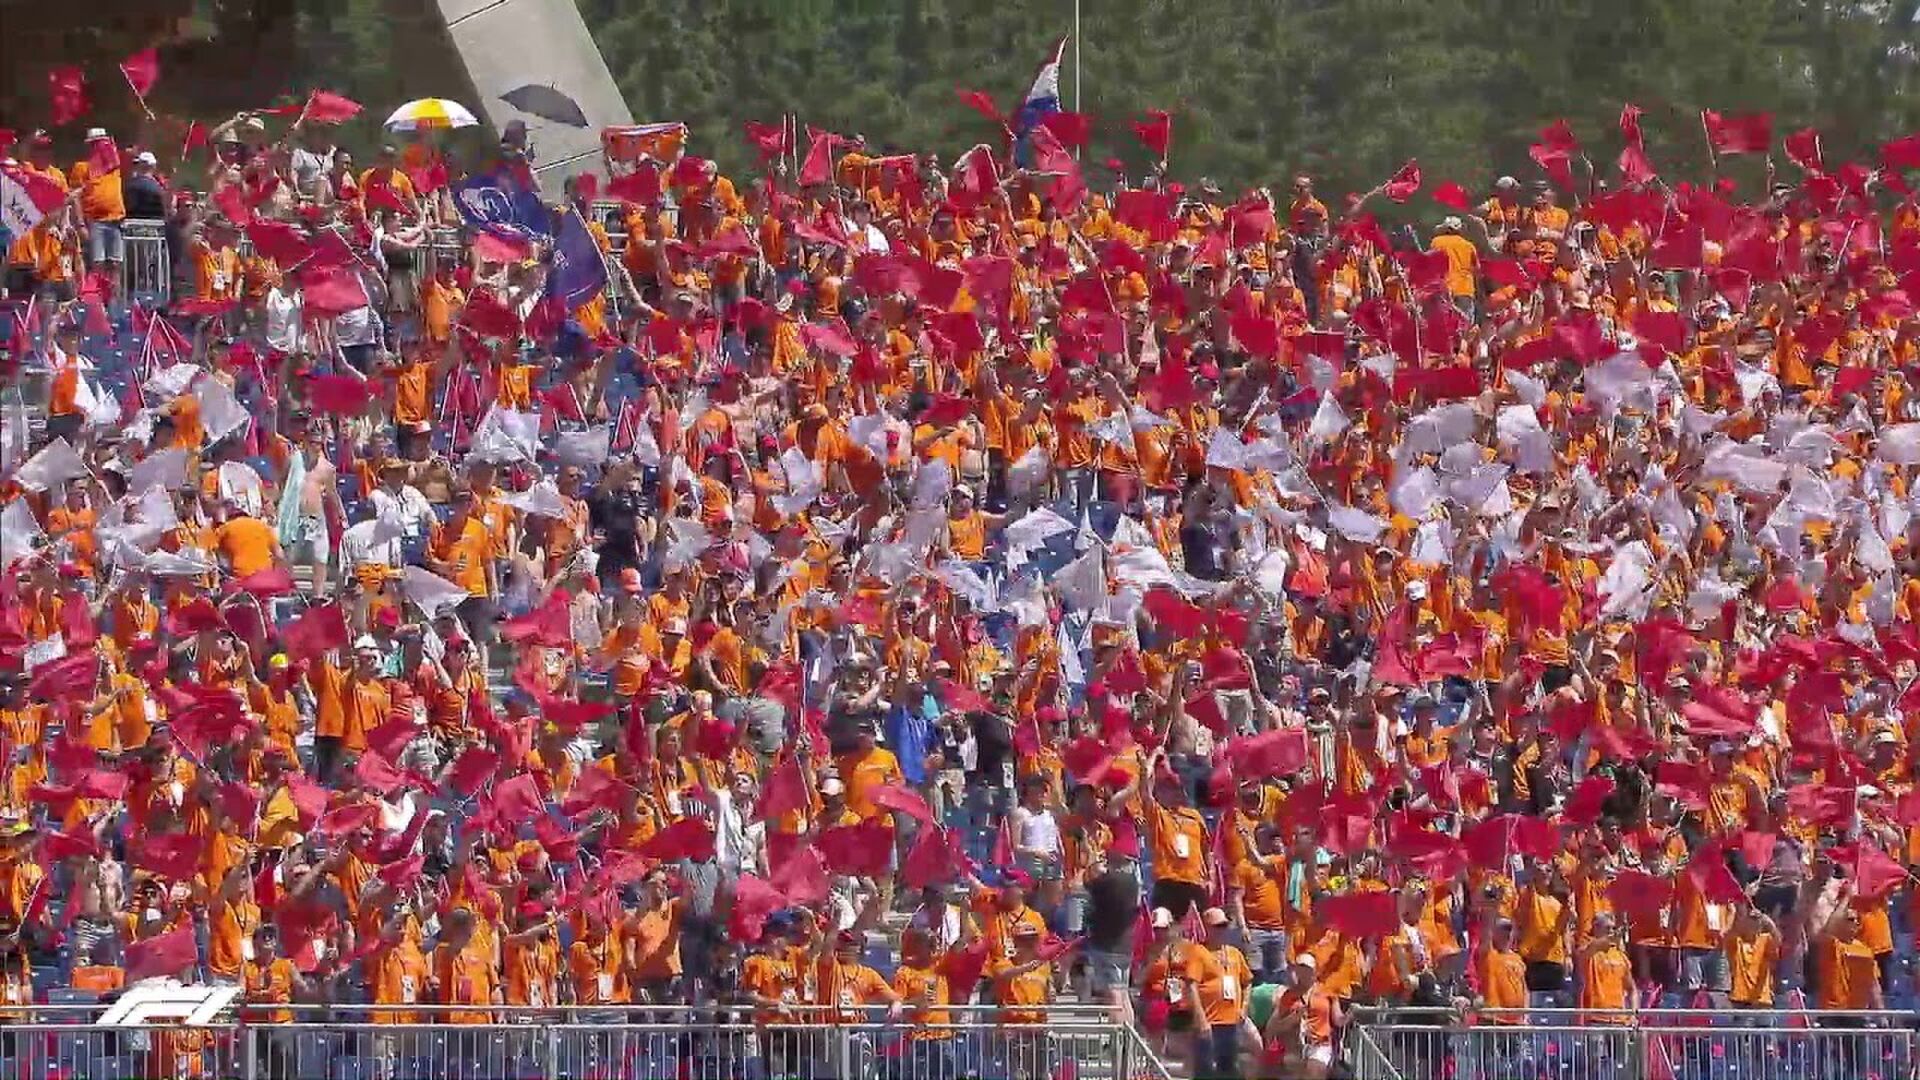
[{"x": 893, "y": 587}]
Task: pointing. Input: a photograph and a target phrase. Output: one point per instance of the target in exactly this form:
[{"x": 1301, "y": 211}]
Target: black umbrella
[{"x": 546, "y": 103}]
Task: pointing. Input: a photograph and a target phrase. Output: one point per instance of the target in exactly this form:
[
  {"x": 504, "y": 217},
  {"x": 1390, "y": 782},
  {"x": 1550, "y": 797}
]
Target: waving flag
[
  {"x": 1042, "y": 100},
  {"x": 25, "y": 198},
  {"x": 502, "y": 202},
  {"x": 578, "y": 272},
  {"x": 142, "y": 70}
]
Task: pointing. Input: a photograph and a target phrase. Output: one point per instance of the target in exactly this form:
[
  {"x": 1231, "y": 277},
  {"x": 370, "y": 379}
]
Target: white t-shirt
[{"x": 1036, "y": 831}]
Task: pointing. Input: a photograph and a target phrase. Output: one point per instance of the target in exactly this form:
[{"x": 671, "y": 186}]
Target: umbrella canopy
[
  {"x": 430, "y": 113},
  {"x": 547, "y": 103}
]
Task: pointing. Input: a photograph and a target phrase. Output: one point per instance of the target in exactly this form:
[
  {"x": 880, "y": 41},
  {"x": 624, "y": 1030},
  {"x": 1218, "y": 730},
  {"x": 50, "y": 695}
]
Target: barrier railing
[
  {"x": 578, "y": 1043},
  {"x": 147, "y": 273},
  {"x": 1663, "y": 1044}
]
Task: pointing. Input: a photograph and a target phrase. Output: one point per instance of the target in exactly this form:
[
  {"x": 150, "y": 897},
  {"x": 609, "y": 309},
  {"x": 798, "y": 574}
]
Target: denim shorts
[
  {"x": 105, "y": 243},
  {"x": 1107, "y": 970}
]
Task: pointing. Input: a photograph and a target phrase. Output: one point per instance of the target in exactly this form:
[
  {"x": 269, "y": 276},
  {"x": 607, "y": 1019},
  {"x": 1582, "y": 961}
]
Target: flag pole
[{"x": 1076, "y": 55}]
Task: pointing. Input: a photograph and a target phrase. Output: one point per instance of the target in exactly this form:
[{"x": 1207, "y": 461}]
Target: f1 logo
[{"x": 187, "y": 1006}]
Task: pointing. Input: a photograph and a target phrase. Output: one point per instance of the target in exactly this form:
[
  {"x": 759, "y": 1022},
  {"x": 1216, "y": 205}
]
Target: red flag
[
  {"x": 818, "y": 167},
  {"x": 67, "y": 94},
  {"x": 1635, "y": 168},
  {"x": 640, "y": 187},
  {"x": 753, "y": 901},
  {"x": 1708, "y": 871},
  {"x": 1280, "y": 752},
  {"x": 494, "y": 246},
  {"x": 1640, "y": 896},
  {"x": 1875, "y": 875},
  {"x": 549, "y": 625},
  {"x": 769, "y": 140},
  {"x": 517, "y": 799},
  {"x": 1451, "y": 195},
  {"x": 175, "y": 856},
  {"x": 1757, "y": 848},
  {"x": 376, "y": 773},
  {"x": 1583, "y": 808},
  {"x": 405, "y": 873},
  {"x": 785, "y": 791},
  {"x": 1360, "y": 915},
  {"x": 273, "y": 581},
  {"x": 330, "y": 292},
  {"x": 1555, "y": 148},
  {"x": 862, "y": 850},
  {"x": 982, "y": 102},
  {"x": 339, "y": 395},
  {"x": 975, "y": 176},
  {"x": 171, "y": 953},
  {"x": 896, "y": 797},
  {"x": 595, "y": 789},
  {"x": 935, "y": 858},
  {"x": 279, "y": 241},
  {"x": 1404, "y": 183},
  {"x": 68, "y": 678},
  {"x": 688, "y": 838},
  {"x": 802, "y": 878},
  {"x": 1901, "y": 154},
  {"x": 1749, "y": 134},
  {"x": 197, "y": 138},
  {"x": 315, "y": 633},
  {"x": 347, "y": 819},
  {"x": 327, "y": 107},
  {"x": 1155, "y": 132},
  {"x": 1071, "y": 128},
  {"x": 471, "y": 770},
  {"x": 142, "y": 70},
  {"x": 309, "y": 798},
  {"x": 1803, "y": 149}
]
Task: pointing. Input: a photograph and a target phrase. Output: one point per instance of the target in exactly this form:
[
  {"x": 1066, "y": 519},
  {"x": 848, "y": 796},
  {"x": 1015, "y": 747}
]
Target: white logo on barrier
[{"x": 191, "y": 1006}]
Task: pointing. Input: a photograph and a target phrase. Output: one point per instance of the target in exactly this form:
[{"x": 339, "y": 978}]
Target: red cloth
[
  {"x": 171, "y": 953},
  {"x": 1155, "y": 132},
  {"x": 862, "y": 850},
  {"x": 689, "y": 838},
  {"x": 1749, "y": 134},
  {"x": 1404, "y": 183},
  {"x": 1360, "y": 915},
  {"x": 327, "y": 107}
]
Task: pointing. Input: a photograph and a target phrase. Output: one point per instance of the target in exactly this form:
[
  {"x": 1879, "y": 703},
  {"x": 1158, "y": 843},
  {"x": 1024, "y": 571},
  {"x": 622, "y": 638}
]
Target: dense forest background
[{"x": 1259, "y": 89}]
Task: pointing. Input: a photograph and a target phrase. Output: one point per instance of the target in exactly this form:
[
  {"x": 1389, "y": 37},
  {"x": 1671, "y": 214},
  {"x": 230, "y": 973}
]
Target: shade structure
[{"x": 430, "y": 113}]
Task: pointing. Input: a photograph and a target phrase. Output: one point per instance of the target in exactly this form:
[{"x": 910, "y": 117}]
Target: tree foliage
[
  {"x": 1346, "y": 89},
  {"x": 1259, "y": 89}
]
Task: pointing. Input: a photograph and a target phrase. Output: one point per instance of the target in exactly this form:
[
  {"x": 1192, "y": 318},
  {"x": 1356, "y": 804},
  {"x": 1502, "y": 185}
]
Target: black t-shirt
[
  {"x": 144, "y": 197},
  {"x": 1113, "y": 905}
]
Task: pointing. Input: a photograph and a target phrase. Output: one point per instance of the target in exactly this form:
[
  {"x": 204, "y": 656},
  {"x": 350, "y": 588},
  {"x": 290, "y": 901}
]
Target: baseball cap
[
  {"x": 1213, "y": 916},
  {"x": 366, "y": 641},
  {"x": 630, "y": 582},
  {"x": 145, "y": 157},
  {"x": 1162, "y": 918}
]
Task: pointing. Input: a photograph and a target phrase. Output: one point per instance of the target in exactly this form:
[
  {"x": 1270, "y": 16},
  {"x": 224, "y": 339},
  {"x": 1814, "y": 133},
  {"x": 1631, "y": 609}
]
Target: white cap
[
  {"x": 832, "y": 787},
  {"x": 96, "y": 133},
  {"x": 1417, "y": 589},
  {"x": 366, "y": 641},
  {"x": 145, "y": 157},
  {"x": 1307, "y": 961},
  {"x": 1162, "y": 918}
]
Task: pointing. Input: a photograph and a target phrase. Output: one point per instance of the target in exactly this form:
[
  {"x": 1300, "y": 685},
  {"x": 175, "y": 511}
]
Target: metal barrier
[
  {"x": 1665, "y": 1044},
  {"x": 147, "y": 273},
  {"x": 580, "y": 1043}
]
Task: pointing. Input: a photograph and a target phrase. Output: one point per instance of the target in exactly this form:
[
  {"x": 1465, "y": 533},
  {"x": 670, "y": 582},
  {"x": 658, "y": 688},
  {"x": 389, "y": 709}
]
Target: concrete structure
[{"x": 506, "y": 44}]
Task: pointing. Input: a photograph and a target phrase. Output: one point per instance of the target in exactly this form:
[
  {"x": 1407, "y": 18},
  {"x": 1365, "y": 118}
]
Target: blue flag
[
  {"x": 578, "y": 273},
  {"x": 502, "y": 201}
]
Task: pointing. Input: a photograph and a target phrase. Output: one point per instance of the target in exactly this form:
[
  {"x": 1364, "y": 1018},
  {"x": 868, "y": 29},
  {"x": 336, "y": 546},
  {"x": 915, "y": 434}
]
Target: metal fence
[
  {"x": 579, "y": 1044},
  {"x": 147, "y": 273},
  {"x": 1668, "y": 1044}
]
